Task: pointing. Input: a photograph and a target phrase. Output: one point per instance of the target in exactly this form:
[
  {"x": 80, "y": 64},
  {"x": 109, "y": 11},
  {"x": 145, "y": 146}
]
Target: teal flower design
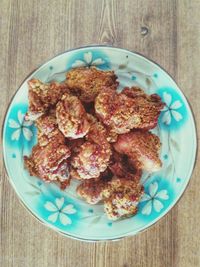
[
  {"x": 154, "y": 199},
  {"x": 88, "y": 61},
  {"x": 59, "y": 211},
  {"x": 171, "y": 109},
  {"x": 20, "y": 126}
]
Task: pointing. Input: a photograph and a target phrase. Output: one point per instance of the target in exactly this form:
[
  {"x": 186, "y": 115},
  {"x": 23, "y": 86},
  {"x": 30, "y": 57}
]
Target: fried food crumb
[
  {"x": 87, "y": 83},
  {"x": 43, "y": 96},
  {"x": 130, "y": 109},
  {"x": 49, "y": 162},
  {"x": 71, "y": 117},
  {"x": 122, "y": 197}
]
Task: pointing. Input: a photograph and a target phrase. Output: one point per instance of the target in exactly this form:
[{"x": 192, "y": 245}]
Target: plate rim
[{"x": 191, "y": 170}]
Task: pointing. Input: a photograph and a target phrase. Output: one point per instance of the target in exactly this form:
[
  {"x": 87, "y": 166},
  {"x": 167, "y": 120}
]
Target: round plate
[{"x": 63, "y": 210}]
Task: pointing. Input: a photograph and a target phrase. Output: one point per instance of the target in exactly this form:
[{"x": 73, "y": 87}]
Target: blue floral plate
[{"x": 63, "y": 210}]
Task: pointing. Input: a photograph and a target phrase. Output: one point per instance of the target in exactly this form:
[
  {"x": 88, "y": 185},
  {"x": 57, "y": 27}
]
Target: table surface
[{"x": 33, "y": 31}]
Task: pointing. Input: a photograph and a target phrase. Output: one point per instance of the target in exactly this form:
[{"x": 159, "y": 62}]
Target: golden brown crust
[
  {"x": 71, "y": 117},
  {"x": 149, "y": 106},
  {"x": 49, "y": 162},
  {"x": 120, "y": 189},
  {"x": 120, "y": 195},
  {"x": 48, "y": 128},
  {"x": 43, "y": 96},
  {"x": 91, "y": 160},
  {"x": 120, "y": 206},
  {"x": 93, "y": 156},
  {"x": 97, "y": 127},
  {"x": 87, "y": 83},
  {"x": 91, "y": 190},
  {"x": 127, "y": 110},
  {"x": 142, "y": 147}
]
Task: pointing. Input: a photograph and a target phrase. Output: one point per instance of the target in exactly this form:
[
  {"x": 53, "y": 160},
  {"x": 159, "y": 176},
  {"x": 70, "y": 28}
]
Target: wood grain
[{"x": 33, "y": 31}]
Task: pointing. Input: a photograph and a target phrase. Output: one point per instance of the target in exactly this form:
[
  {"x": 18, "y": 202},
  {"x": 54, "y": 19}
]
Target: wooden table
[{"x": 166, "y": 31}]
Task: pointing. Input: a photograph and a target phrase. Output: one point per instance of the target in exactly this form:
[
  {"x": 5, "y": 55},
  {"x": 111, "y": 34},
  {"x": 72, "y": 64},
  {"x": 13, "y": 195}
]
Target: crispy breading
[
  {"x": 120, "y": 195},
  {"x": 119, "y": 189},
  {"x": 91, "y": 190},
  {"x": 111, "y": 136},
  {"x": 43, "y": 96},
  {"x": 91, "y": 160},
  {"x": 48, "y": 128},
  {"x": 87, "y": 83},
  {"x": 97, "y": 132},
  {"x": 93, "y": 156},
  {"x": 127, "y": 110},
  {"x": 134, "y": 92},
  {"x": 143, "y": 149},
  {"x": 49, "y": 162},
  {"x": 72, "y": 117},
  {"x": 97, "y": 127}
]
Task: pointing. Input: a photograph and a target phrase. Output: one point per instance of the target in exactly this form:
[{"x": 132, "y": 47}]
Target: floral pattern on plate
[
  {"x": 59, "y": 211},
  {"x": 20, "y": 126},
  {"x": 88, "y": 59},
  {"x": 153, "y": 199},
  {"x": 19, "y": 131},
  {"x": 174, "y": 114}
]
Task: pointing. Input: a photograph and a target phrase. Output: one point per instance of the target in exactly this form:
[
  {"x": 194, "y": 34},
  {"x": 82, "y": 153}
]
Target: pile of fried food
[{"x": 90, "y": 132}]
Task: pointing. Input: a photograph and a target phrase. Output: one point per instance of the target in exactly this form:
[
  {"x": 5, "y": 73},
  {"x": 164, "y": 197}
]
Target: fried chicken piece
[
  {"x": 93, "y": 156},
  {"x": 143, "y": 149},
  {"x": 150, "y": 106},
  {"x": 106, "y": 132},
  {"x": 136, "y": 92},
  {"x": 71, "y": 117},
  {"x": 120, "y": 193},
  {"x": 48, "y": 128},
  {"x": 131, "y": 108},
  {"x": 87, "y": 83},
  {"x": 91, "y": 160},
  {"x": 43, "y": 96},
  {"x": 97, "y": 132},
  {"x": 91, "y": 190},
  {"x": 107, "y": 174},
  {"x": 122, "y": 197},
  {"x": 49, "y": 162}
]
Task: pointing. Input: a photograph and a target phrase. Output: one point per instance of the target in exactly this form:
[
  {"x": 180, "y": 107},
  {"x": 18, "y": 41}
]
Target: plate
[{"x": 63, "y": 210}]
